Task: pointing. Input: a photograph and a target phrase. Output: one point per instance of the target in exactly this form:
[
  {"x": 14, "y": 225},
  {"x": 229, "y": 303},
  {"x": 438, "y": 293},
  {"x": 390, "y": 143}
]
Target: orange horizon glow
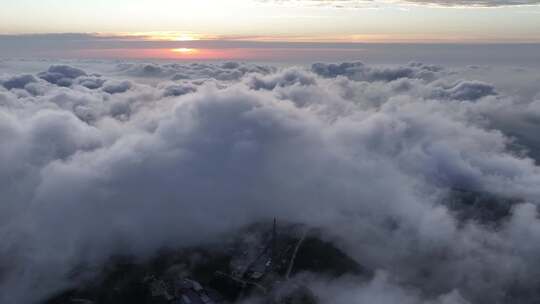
[
  {"x": 233, "y": 54},
  {"x": 185, "y": 51},
  {"x": 188, "y": 54}
]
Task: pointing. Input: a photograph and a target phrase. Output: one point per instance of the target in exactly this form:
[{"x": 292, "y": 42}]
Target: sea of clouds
[{"x": 106, "y": 158}]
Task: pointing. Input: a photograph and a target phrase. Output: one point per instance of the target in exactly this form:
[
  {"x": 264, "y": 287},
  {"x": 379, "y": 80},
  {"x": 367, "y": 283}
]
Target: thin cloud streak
[{"x": 378, "y": 3}]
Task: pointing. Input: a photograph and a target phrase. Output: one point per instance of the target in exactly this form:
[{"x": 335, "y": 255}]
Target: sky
[
  {"x": 352, "y": 20},
  {"x": 293, "y": 21}
]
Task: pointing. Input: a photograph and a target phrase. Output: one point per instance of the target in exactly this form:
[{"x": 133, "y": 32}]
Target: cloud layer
[{"x": 146, "y": 155}]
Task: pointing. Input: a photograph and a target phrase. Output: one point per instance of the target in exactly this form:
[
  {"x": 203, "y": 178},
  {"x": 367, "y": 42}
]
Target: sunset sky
[{"x": 143, "y": 28}]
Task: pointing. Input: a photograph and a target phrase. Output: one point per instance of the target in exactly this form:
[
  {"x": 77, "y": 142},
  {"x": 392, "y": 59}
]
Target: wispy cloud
[{"x": 376, "y": 3}]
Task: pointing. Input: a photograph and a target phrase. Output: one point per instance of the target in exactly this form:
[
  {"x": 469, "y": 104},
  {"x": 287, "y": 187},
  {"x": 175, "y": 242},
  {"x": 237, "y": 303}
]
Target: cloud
[
  {"x": 18, "y": 82},
  {"x": 466, "y": 90},
  {"x": 382, "y": 290},
  {"x": 371, "y": 3},
  {"x": 131, "y": 161},
  {"x": 227, "y": 71},
  {"x": 179, "y": 89},
  {"x": 360, "y": 72},
  {"x": 116, "y": 87},
  {"x": 476, "y": 3},
  {"x": 61, "y": 75},
  {"x": 282, "y": 79},
  {"x": 91, "y": 82}
]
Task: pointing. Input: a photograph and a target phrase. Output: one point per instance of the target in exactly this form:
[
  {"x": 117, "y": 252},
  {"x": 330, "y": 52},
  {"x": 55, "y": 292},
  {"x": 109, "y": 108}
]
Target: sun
[{"x": 184, "y": 50}]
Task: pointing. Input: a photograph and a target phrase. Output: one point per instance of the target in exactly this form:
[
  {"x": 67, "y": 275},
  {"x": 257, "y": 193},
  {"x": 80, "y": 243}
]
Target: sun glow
[{"x": 184, "y": 51}]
